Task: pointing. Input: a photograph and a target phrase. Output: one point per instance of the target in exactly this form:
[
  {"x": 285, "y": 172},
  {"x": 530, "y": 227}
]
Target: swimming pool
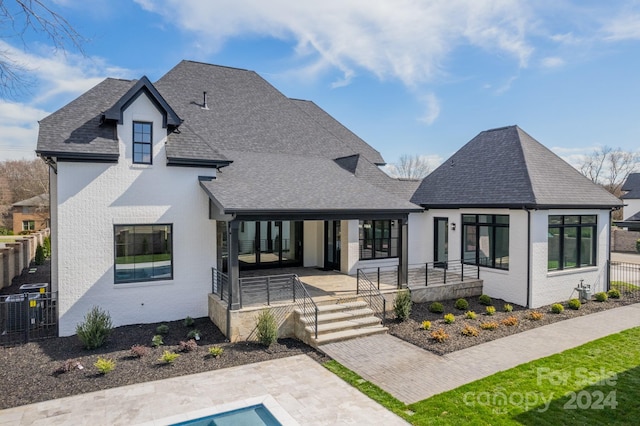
[{"x": 255, "y": 415}]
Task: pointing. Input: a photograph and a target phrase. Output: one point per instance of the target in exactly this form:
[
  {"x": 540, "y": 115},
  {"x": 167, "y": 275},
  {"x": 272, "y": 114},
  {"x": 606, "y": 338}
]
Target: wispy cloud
[
  {"x": 432, "y": 108},
  {"x": 623, "y": 27},
  {"x": 552, "y": 62},
  {"x": 408, "y": 40}
]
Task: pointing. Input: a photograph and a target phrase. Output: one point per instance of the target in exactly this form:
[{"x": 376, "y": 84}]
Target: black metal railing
[
  {"x": 423, "y": 274},
  {"x": 305, "y": 304},
  {"x": 220, "y": 284},
  {"x": 368, "y": 292},
  {"x": 266, "y": 288},
  {"x": 625, "y": 277},
  {"x": 27, "y": 317}
]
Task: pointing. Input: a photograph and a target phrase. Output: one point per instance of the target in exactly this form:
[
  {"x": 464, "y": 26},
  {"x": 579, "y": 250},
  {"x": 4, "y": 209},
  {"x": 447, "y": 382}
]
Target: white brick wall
[{"x": 93, "y": 197}]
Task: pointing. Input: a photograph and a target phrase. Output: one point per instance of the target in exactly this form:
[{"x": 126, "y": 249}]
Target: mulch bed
[{"x": 412, "y": 332}]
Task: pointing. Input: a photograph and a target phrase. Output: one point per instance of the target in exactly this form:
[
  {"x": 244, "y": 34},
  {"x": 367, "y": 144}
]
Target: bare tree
[
  {"x": 17, "y": 17},
  {"x": 610, "y": 167},
  {"x": 411, "y": 167}
]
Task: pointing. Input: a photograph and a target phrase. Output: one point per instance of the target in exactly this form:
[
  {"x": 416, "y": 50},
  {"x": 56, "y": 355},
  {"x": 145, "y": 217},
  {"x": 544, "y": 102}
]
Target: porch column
[
  {"x": 234, "y": 265},
  {"x": 404, "y": 251}
]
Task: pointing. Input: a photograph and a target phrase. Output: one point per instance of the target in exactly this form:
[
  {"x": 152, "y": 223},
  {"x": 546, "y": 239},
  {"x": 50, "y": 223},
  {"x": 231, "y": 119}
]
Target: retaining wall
[{"x": 17, "y": 255}]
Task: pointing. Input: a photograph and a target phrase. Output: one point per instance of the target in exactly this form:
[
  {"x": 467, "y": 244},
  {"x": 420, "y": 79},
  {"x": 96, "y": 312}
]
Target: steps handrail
[
  {"x": 307, "y": 306},
  {"x": 371, "y": 295}
]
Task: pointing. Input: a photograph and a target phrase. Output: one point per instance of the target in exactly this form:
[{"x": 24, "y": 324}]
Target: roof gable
[
  {"x": 506, "y": 167},
  {"x": 632, "y": 187},
  {"x": 169, "y": 116}
]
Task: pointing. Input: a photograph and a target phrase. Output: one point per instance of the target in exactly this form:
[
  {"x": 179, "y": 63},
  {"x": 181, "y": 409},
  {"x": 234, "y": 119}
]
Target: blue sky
[{"x": 409, "y": 77}]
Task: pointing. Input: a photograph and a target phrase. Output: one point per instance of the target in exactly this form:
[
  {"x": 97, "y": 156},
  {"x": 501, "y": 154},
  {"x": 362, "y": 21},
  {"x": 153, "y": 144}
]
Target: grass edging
[{"x": 561, "y": 389}]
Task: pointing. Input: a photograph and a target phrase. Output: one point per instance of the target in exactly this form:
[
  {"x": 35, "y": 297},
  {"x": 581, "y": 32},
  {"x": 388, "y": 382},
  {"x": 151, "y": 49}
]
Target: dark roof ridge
[{"x": 217, "y": 65}]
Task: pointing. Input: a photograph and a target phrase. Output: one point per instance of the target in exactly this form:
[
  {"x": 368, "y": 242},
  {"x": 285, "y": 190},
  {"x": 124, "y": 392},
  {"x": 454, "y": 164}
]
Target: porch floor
[{"x": 320, "y": 284}]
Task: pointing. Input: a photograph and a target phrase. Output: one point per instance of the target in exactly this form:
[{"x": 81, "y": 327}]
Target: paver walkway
[{"x": 412, "y": 374}]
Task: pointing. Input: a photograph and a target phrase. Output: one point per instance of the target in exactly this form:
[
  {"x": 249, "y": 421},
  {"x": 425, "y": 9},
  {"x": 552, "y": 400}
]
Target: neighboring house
[
  {"x": 31, "y": 215},
  {"x": 534, "y": 223},
  {"x": 153, "y": 184},
  {"x": 631, "y": 199}
]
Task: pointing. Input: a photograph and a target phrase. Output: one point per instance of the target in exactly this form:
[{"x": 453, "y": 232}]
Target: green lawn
[
  {"x": 621, "y": 285},
  {"x": 597, "y": 383},
  {"x": 142, "y": 258}
]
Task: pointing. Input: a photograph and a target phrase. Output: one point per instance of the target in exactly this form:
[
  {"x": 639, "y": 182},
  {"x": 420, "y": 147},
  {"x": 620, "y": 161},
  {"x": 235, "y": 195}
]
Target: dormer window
[{"x": 142, "y": 138}]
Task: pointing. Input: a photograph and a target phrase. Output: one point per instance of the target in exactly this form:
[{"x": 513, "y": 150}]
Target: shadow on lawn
[{"x": 615, "y": 400}]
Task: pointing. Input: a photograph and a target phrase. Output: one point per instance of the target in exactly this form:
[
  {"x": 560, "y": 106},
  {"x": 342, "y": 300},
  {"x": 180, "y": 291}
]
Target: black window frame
[
  {"x": 563, "y": 224},
  {"x": 117, "y": 244},
  {"x": 377, "y": 244},
  {"x": 142, "y": 143},
  {"x": 494, "y": 222}
]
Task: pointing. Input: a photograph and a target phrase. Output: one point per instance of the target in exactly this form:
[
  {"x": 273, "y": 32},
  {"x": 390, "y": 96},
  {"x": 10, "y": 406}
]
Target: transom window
[
  {"x": 378, "y": 239},
  {"x": 143, "y": 253},
  {"x": 142, "y": 138},
  {"x": 572, "y": 241},
  {"x": 485, "y": 240}
]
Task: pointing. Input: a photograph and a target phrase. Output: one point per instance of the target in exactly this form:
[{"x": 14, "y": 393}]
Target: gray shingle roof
[
  {"x": 506, "y": 167},
  {"x": 74, "y": 131},
  {"x": 38, "y": 200},
  {"x": 277, "y": 183},
  {"x": 632, "y": 187}
]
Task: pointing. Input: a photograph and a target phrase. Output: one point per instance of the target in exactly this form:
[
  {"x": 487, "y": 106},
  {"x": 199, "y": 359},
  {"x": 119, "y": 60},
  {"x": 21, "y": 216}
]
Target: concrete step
[
  {"x": 339, "y": 336},
  {"x": 332, "y": 327},
  {"x": 337, "y": 316}
]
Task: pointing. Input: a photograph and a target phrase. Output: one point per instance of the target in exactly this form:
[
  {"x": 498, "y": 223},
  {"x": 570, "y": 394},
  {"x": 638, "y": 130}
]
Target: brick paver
[{"x": 412, "y": 374}]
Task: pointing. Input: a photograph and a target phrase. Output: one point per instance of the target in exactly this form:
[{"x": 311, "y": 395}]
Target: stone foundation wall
[{"x": 437, "y": 292}]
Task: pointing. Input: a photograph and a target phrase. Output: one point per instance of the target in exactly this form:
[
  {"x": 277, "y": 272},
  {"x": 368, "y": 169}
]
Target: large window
[
  {"x": 572, "y": 241},
  {"x": 143, "y": 253},
  {"x": 485, "y": 240},
  {"x": 378, "y": 239},
  {"x": 142, "y": 142}
]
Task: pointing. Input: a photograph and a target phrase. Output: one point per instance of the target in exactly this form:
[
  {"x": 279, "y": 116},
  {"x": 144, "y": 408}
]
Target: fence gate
[{"x": 28, "y": 316}]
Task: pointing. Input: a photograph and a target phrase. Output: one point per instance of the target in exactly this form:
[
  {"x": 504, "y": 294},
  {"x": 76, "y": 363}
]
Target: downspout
[
  {"x": 528, "y": 257},
  {"x": 608, "y": 266}
]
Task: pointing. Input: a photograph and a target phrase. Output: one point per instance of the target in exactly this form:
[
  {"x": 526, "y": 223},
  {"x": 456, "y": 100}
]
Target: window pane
[
  {"x": 553, "y": 244},
  {"x": 570, "y": 247},
  {"x": 555, "y": 220},
  {"x": 571, "y": 220},
  {"x": 484, "y": 246},
  {"x": 469, "y": 239},
  {"x": 502, "y": 248},
  {"x": 143, "y": 252},
  {"x": 589, "y": 219},
  {"x": 502, "y": 219},
  {"x": 485, "y": 218},
  {"x": 587, "y": 244},
  {"x": 470, "y": 218}
]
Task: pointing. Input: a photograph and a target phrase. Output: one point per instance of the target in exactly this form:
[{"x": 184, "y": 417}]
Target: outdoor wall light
[{"x": 453, "y": 226}]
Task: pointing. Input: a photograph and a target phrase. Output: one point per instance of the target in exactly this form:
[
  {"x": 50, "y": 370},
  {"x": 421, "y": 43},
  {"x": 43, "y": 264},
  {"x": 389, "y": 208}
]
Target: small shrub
[
  {"x": 638, "y": 245},
  {"x": 194, "y": 334},
  {"x": 470, "y": 331},
  {"x": 139, "y": 351},
  {"x": 485, "y": 300},
  {"x": 168, "y": 357},
  {"x": 157, "y": 341},
  {"x": 536, "y": 316},
  {"x": 462, "y": 304},
  {"x": 613, "y": 293},
  {"x": 489, "y": 325},
  {"x": 95, "y": 328},
  {"x": 436, "y": 308},
  {"x": 470, "y": 315},
  {"x": 510, "y": 321},
  {"x": 162, "y": 329},
  {"x": 439, "y": 335},
  {"x": 490, "y": 310},
  {"x": 188, "y": 346},
  {"x": 267, "y": 328},
  {"x": 402, "y": 305},
  {"x": 40, "y": 257},
  {"x": 557, "y": 308},
  {"x": 46, "y": 245},
  {"x": 189, "y": 322},
  {"x": 449, "y": 318},
  {"x": 105, "y": 365},
  {"x": 574, "y": 304},
  {"x": 508, "y": 307},
  {"x": 426, "y": 325},
  {"x": 68, "y": 365},
  {"x": 601, "y": 296},
  {"x": 215, "y": 351}
]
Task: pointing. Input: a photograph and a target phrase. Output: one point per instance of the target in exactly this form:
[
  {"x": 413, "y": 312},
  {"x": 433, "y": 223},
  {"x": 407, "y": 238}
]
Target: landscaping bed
[
  {"x": 412, "y": 331},
  {"x": 33, "y": 372}
]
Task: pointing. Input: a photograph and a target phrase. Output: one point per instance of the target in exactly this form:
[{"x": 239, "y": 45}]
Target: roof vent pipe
[{"x": 204, "y": 101}]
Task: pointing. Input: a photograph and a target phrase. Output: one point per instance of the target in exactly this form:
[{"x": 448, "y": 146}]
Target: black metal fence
[
  {"x": 27, "y": 317},
  {"x": 625, "y": 277}
]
